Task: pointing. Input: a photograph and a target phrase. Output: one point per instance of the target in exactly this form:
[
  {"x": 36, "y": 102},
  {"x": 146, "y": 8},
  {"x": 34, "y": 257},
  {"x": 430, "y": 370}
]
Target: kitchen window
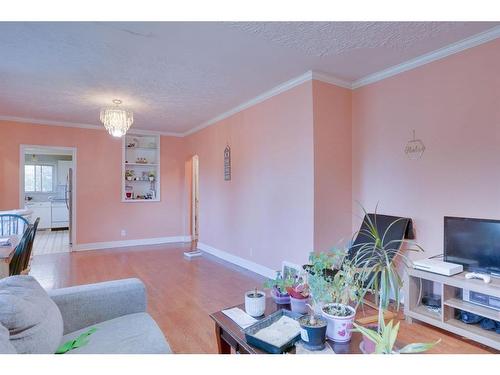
[{"x": 39, "y": 178}]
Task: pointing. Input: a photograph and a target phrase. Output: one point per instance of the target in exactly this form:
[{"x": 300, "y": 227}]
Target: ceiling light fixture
[{"x": 117, "y": 120}]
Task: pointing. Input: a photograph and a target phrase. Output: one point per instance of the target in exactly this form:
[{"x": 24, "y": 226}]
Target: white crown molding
[
  {"x": 127, "y": 243},
  {"x": 80, "y": 125},
  {"x": 451, "y": 49},
  {"x": 258, "y": 99},
  {"x": 327, "y": 78},
  {"x": 241, "y": 262}
]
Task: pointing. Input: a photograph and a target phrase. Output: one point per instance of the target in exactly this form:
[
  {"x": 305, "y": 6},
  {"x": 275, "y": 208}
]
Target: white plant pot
[
  {"x": 339, "y": 328},
  {"x": 255, "y": 306}
]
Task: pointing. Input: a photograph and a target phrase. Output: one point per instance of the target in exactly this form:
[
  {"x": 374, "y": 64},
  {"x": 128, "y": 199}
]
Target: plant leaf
[{"x": 418, "y": 347}]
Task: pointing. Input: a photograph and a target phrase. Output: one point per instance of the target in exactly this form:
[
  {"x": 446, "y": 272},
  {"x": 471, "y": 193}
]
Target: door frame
[
  {"x": 22, "y": 151},
  {"x": 195, "y": 198}
]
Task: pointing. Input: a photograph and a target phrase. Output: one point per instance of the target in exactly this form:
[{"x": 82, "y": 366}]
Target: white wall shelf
[{"x": 146, "y": 148}]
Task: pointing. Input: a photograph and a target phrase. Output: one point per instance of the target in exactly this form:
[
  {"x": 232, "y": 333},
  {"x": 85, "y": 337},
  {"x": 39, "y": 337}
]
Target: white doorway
[{"x": 47, "y": 186}]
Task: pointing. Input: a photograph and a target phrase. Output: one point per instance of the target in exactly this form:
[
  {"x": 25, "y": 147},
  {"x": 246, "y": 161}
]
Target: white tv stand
[{"x": 451, "y": 288}]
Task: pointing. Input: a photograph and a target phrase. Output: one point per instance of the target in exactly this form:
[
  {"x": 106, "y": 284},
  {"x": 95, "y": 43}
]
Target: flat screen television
[{"x": 473, "y": 243}]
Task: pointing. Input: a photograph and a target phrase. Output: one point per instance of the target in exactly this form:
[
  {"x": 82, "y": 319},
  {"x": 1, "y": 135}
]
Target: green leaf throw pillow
[{"x": 76, "y": 343}]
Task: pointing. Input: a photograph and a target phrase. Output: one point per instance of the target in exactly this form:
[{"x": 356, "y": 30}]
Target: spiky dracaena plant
[
  {"x": 386, "y": 338},
  {"x": 377, "y": 260}
]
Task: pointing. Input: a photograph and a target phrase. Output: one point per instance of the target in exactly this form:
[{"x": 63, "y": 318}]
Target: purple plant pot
[
  {"x": 369, "y": 345},
  {"x": 280, "y": 298},
  {"x": 299, "y": 305}
]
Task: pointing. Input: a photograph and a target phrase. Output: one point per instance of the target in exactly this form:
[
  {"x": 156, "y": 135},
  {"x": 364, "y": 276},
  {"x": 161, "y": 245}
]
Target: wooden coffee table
[{"x": 230, "y": 335}]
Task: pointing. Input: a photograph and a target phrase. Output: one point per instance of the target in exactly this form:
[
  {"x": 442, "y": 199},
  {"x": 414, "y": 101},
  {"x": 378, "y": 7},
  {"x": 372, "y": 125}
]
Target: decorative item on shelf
[
  {"x": 128, "y": 191},
  {"x": 414, "y": 148},
  {"x": 255, "y": 303},
  {"x": 227, "y": 163},
  {"x": 141, "y": 160},
  {"x": 116, "y": 120},
  {"x": 129, "y": 175},
  {"x": 133, "y": 144},
  {"x": 151, "y": 176}
]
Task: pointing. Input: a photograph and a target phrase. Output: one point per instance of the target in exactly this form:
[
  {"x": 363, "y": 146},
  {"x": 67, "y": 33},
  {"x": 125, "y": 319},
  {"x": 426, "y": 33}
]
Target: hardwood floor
[
  {"x": 182, "y": 293},
  {"x": 50, "y": 242}
]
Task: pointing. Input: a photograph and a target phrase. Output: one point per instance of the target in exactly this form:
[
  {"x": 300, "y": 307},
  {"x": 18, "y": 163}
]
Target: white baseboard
[
  {"x": 247, "y": 264},
  {"x": 126, "y": 243}
]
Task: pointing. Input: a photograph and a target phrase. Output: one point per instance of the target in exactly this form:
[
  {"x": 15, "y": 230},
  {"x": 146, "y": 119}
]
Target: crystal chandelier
[{"x": 117, "y": 120}]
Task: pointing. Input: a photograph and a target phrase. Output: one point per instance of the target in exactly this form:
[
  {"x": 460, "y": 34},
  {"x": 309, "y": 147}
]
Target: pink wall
[
  {"x": 332, "y": 165},
  {"x": 265, "y": 213},
  {"x": 454, "y": 106},
  {"x": 100, "y": 213}
]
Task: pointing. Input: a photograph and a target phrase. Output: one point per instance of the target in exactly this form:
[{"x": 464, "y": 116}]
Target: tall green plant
[{"x": 376, "y": 258}]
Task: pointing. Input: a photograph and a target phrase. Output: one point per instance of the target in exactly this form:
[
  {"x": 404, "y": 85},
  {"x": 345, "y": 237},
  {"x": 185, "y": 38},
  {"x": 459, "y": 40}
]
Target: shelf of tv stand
[
  {"x": 450, "y": 287},
  {"x": 473, "y": 308}
]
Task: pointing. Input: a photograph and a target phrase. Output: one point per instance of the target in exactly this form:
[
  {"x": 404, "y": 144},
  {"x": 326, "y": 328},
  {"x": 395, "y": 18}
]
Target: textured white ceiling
[{"x": 176, "y": 75}]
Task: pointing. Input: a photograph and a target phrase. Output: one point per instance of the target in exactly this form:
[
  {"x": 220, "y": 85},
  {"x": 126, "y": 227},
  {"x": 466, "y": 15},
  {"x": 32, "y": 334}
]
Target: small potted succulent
[
  {"x": 278, "y": 288},
  {"x": 313, "y": 326},
  {"x": 299, "y": 296},
  {"x": 151, "y": 176},
  {"x": 255, "y": 303}
]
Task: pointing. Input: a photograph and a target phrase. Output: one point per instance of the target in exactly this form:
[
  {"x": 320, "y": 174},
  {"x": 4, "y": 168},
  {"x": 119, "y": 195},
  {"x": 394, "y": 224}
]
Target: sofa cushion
[
  {"x": 128, "y": 334},
  {"x": 5, "y": 345},
  {"x": 33, "y": 320}
]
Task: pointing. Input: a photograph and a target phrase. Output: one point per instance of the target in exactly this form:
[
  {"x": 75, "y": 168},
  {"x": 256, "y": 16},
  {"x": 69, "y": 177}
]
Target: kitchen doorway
[{"x": 47, "y": 188}]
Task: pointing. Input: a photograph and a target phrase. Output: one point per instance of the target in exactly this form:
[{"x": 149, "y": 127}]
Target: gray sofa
[{"x": 33, "y": 320}]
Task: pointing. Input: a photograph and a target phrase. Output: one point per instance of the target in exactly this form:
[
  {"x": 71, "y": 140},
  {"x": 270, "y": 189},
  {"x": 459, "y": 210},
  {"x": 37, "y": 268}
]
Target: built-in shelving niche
[{"x": 141, "y": 168}]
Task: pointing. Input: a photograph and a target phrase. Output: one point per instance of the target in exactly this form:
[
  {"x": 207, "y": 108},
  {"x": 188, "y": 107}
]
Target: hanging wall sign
[
  {"x": 227, "y": 163},
  {"x": 414, "y": 148}
]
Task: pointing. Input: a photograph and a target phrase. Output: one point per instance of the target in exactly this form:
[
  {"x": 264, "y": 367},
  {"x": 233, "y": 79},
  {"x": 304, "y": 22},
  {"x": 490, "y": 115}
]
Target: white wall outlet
[{"x": 123, "y": 232}]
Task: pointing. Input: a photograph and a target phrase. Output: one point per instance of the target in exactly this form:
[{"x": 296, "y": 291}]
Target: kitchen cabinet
[
  {"x": 60, "y": 215},
  {"x": 63, "y": 167},
  {"x": 43, "y": 210}
]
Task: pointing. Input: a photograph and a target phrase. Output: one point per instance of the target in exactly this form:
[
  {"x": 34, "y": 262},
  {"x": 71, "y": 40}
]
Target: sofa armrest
[{"x": 84, "y": 305}]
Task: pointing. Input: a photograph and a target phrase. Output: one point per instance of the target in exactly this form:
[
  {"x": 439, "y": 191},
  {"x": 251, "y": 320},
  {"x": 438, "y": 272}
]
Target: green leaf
[
  {"x": 418, "y": 347},
  {"x": 368, "y": 333}
]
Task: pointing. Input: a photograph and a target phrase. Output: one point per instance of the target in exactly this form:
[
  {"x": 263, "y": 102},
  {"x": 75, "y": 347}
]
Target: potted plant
[
  {"x": 151, "y": 176},
  {"x": 255, "y": 303},
  {"x": 346, "y": 289},
  {"x": 299, "y": 295},
  {"x": 278, "y": 288},
  {"x": 313, "y": 326},
  {"x": 385, "y": 338},
  {"x": 377, "y": 259}
]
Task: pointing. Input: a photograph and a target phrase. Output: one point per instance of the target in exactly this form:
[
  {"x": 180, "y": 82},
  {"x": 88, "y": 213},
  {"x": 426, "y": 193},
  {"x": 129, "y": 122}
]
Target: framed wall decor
[{"x": 227, "y": 163}]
